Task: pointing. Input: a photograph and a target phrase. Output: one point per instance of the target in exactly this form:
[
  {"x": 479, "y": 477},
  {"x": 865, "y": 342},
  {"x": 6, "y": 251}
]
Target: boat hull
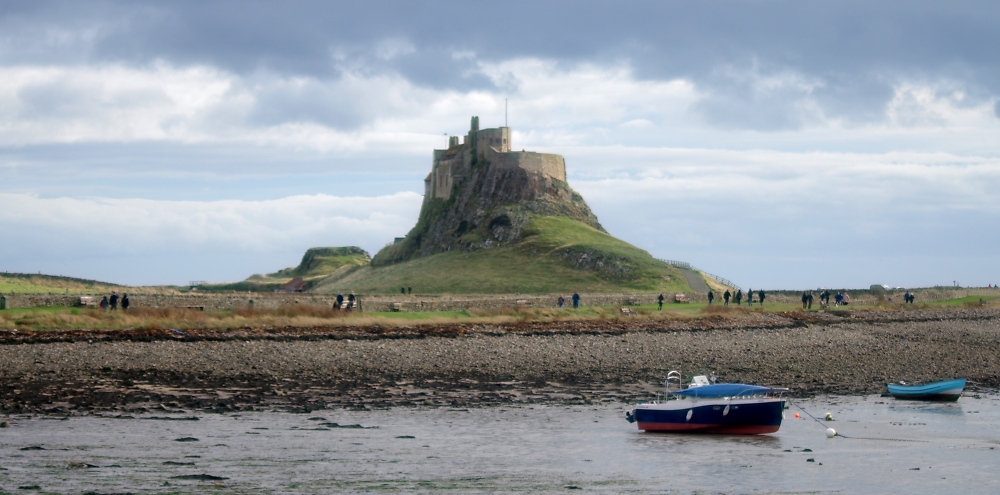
[
  {"x": 948, "y": 391},
  {"x": 735, "y": 417}
]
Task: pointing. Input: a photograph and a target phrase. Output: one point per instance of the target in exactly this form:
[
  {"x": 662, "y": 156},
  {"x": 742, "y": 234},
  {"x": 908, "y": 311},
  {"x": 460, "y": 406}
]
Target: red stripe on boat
[{"x": 709, "y": 428}]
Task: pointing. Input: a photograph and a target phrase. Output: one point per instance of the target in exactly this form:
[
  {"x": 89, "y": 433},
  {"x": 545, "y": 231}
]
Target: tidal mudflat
[
  {"x": 847, "y": 353},
  {"x": 889, "y": 447}
]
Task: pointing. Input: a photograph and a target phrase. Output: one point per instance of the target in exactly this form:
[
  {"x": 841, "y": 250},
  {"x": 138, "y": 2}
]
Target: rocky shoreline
[{"x": 136, "y": 371}]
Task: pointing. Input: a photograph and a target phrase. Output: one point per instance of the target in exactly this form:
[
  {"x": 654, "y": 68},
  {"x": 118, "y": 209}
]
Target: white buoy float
[{"x": 830, "y": 433}]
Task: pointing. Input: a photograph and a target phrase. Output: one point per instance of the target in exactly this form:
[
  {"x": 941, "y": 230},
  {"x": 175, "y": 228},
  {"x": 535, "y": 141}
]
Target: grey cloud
[
  {"x": 309, "y": 102},
  {"x": 856, "y": 97},
  {"x": 848, "y": 47},
  {"x": 67, "y": 98},
  {"x": 54, "y": 99}
]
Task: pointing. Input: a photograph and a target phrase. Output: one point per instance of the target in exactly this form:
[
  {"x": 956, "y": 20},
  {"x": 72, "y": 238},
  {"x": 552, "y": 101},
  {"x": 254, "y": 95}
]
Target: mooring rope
[
  {"x": 810, "y": 415},
  {"x": 837, "y": 433}
]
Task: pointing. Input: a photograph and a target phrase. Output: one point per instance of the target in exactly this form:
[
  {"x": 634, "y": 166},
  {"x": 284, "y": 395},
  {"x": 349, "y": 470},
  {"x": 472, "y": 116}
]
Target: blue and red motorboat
[
  {"x": 707, "y": 407},
  {"x": 946, "y": 391}
]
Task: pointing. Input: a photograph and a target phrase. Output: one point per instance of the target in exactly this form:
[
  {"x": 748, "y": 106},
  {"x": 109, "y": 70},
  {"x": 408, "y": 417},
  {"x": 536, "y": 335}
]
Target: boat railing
[{"x": 674, "y": 379}]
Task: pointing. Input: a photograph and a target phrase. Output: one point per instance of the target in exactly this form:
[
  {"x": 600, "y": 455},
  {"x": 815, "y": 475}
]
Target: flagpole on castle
[{"x": 505, "y": 112}]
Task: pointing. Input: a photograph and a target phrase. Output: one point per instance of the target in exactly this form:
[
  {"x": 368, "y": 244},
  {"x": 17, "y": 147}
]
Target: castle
[{"x": 451, "y": 166}]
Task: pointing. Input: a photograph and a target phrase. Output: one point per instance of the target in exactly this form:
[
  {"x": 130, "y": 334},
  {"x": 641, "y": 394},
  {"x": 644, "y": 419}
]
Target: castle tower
[{"x": 452, "y": 166}]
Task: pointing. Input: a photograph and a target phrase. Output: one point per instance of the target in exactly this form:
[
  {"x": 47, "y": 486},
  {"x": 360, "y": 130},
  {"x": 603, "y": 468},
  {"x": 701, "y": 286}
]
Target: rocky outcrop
[{"x": 489, "y": 208}]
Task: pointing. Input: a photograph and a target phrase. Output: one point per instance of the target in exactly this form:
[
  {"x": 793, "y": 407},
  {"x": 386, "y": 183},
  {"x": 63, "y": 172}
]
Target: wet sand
[{"x": 846, "y": 352}]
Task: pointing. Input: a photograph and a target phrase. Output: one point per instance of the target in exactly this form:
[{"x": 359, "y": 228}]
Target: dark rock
[{"x": 199, "y": 477}]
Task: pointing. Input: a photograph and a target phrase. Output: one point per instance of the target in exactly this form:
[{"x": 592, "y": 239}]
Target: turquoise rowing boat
[{"x": 949, "y": 390}]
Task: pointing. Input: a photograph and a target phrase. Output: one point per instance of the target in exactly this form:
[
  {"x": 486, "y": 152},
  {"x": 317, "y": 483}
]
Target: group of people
[
  {"x": 841, "y": 299},
  {"x": 575, "y": 298},
  {"x": 736, "y": 298},
  {"x": 352, "y": 301},
  {"x": 112, "y": 302}
]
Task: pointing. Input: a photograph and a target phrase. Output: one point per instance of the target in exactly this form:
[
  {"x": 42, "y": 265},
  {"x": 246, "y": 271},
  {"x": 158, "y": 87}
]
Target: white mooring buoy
[{"x": 830, "y": 433}]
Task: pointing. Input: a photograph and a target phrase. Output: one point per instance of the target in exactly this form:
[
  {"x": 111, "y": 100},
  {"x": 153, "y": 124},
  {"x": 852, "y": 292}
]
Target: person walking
[
  {"x": 725, "y": 298},
  {"x": 561, "y": 301},
  {"x": 125, "y": 302},
  {"x": 760, "y": 298},
  {"x": 350, "y": 301},
  {"x": 739, "y": 296},
  {"x": 750, "y": 297},
  {"x": 805, "y": 299},
  {"x": 402, "y": 290},
  {"x": 576, "y": 300},
  {"x": 711, "y": 296},
  {"x": 114, "y": 301},
  {"x": 659, "y": 301},
  {"x": 409, "y": 290},
  {"x": 810, "y": 301},
  {"x": 104, "y": 303},
  {"x": 838, "y": 299},
  {"x": 340, "y": 301}
]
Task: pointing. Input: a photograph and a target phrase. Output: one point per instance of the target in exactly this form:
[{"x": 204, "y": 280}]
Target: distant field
[
  {"x": 547, "y": 261},
  {"x": 962, "y": 301},
  {"x": 63, "y": 318}
]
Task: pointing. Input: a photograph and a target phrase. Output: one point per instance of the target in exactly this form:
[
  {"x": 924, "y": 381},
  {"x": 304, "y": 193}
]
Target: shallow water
[{"x": 891, "y": 447}]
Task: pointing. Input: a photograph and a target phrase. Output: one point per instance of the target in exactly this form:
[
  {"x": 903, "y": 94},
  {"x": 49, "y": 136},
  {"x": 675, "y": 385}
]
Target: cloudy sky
[{"x": 777, "y": 144}]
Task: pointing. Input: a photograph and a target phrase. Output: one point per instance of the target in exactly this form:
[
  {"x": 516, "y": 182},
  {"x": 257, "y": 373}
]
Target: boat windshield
[{"x": 724, "y": 390}]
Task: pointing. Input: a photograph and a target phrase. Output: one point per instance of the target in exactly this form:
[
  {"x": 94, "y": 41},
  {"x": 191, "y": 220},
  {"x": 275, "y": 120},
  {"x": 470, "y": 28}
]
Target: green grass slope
[
  {"x": 555, "y": 255},
  {"x": 27, "y": 283},
  {"x": 316, "y": 264}
]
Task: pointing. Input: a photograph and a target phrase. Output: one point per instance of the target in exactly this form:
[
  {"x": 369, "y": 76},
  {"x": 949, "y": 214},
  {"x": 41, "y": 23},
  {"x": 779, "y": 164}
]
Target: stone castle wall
[
  {"x": 451, "y": 166},
  {"x": 547, "y": 164}
]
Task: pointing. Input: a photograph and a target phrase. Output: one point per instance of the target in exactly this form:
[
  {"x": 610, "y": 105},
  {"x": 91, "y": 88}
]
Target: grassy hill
[
  {"x": 316, "y": 264},
  {"x": 28, "y": 283},
  {"x": 554, "y": 254}
]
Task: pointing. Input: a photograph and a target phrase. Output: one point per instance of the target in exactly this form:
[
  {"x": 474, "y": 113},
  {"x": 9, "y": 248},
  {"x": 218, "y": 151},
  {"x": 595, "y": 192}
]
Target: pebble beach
[{"x": 617, "y": 360}]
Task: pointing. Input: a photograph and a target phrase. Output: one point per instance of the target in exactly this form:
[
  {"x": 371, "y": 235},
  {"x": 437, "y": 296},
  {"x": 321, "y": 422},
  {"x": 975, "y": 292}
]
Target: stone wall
[
  {"x": 208, "y": 301},
  {"x": 272, "y": 300},
  {"x": 497, "y": 138},
  {"x": 369, "y": 303},
  {"x": 547, "y": 164}
]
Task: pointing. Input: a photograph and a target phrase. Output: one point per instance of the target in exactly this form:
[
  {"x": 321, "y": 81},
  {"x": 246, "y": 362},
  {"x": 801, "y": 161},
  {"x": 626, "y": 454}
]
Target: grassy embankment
[
  {"x": 313, "y": 316},
  {"x": 26, "y": 283},
  {"x": 316, "y": 264},
  {"x": 541, "y": 263}
]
